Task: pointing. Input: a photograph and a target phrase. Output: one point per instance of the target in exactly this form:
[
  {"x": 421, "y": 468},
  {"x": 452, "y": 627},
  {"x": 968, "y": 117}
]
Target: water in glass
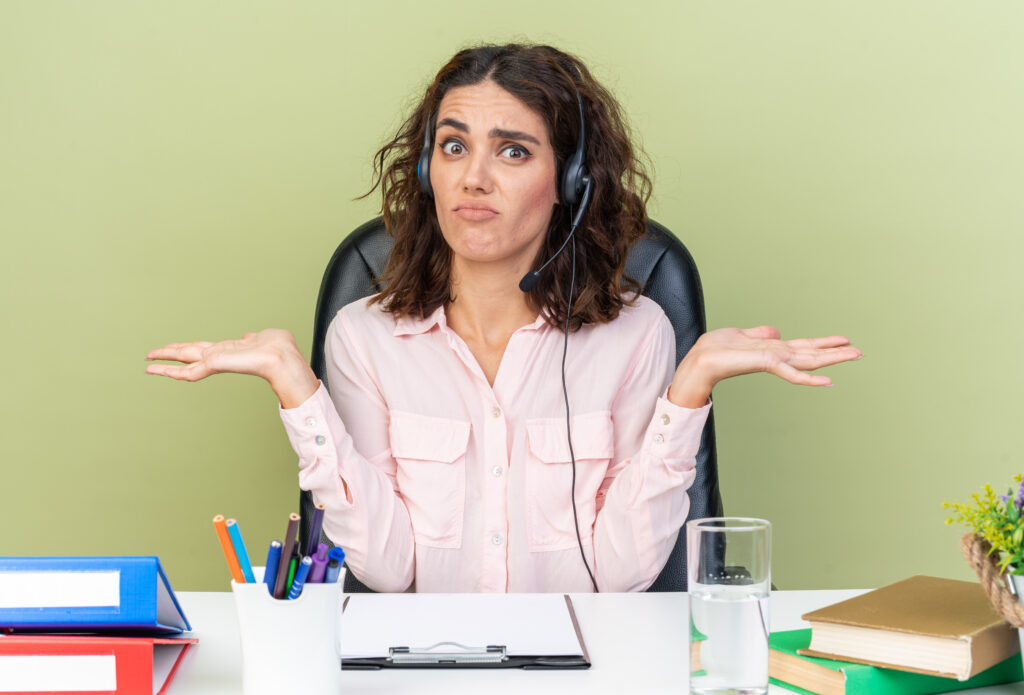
[{"x": 729, "y": 638}]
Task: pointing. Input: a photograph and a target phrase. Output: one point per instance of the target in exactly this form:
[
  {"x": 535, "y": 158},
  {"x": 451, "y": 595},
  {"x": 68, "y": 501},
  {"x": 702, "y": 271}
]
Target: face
[{"x": 493, "y": 174}]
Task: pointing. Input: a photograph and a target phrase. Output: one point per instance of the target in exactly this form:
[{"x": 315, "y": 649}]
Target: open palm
[
  {"x": 728, "y": 352},
  {"x": 254, "y": 353}
]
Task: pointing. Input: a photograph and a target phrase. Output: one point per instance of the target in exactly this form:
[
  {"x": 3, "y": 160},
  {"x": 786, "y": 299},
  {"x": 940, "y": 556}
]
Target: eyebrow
[{"x": 495, "y": 132}]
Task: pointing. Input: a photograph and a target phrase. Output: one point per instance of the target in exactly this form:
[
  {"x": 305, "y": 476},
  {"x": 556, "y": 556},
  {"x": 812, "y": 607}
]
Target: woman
[{"x": 441, "y": 453}]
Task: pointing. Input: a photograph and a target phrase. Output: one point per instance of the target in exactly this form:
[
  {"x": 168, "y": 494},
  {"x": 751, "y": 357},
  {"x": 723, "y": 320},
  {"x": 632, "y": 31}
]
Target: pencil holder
[{"x": 289, "y": 646}]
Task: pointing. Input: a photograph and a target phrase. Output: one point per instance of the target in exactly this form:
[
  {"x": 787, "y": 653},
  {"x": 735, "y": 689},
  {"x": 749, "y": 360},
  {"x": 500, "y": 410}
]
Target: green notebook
[{"x": 808, "y": 674}]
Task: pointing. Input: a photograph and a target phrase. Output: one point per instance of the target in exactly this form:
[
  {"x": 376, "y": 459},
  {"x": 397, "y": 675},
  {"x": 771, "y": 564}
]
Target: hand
[
  {"x": 271, "y": 354},
  {"x": 729, "y": 352}
]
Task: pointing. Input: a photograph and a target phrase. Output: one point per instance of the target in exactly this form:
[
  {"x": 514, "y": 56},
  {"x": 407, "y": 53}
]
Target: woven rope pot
[{"x": 976, "y": 552}]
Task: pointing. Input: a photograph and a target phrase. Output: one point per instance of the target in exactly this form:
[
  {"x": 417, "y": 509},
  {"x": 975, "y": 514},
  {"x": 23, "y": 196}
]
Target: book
[
  {"x": 829, "y": 677},
  {"x": 88, "y": 594},
  {"x": 73, "y": 664},
  {"x": 941, "y": 627}
]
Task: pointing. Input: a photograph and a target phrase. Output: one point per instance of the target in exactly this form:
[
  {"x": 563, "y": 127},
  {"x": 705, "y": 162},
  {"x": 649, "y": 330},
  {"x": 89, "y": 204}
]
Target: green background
[{"x": 183, "y": 171}]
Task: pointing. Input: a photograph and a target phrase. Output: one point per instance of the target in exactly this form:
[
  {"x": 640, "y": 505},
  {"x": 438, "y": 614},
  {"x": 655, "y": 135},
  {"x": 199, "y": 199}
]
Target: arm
[
  {"x": 351, "y": 470},
  {"x": 642, "y": 502},
  {"x": 364, "y": 514}
]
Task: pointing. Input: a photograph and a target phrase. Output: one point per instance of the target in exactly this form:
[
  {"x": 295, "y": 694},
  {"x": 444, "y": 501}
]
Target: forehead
[{"x": 487, "y": 105}]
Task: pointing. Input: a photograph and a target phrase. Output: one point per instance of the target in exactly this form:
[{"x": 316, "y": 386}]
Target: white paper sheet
[{"x": 526, "y": 624}]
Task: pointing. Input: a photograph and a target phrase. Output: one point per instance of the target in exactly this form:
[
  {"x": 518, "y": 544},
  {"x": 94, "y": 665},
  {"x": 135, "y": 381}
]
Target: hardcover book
[
  {"x": 829, "y": 677},
  {"x": 941, "y": 627}
]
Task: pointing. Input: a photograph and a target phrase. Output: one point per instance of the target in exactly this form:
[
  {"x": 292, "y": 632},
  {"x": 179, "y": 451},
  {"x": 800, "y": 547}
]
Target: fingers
[
  {"x": 816, "y": 359},
  {"x": 794, "y": 368},
  {"x": 818, "y": 343},
  {"x": 179, "y": 352},
  {"x": 795, "y": 376},
  {"x": 188, "y": 372}
]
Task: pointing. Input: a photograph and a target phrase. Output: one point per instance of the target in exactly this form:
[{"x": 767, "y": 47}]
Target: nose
[{"x": 477, "y": 175}]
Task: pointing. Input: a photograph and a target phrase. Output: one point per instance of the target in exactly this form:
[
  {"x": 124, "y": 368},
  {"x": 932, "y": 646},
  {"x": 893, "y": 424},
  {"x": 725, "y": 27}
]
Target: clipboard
[{"x": 558, "y": 641}]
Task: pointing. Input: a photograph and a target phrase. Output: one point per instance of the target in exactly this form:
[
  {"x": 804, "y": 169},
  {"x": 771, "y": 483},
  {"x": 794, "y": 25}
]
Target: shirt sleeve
[
  {"x": 642, "y": 502},
  {"x": 353, "y": 476}
]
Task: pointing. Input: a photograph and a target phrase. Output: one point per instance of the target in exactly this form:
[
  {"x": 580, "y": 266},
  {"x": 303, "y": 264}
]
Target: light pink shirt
[{"x": 431, "y": 475}]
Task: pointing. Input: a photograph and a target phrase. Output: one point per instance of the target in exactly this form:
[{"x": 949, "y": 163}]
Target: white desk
[{"x": 637, "y": 644}]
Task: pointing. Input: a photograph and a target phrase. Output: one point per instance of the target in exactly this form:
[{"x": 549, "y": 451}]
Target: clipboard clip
[{"x": 454, "y": 653}]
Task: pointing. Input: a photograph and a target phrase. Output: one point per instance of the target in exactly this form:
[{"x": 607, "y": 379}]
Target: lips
[{"x": 475, "y": 212}]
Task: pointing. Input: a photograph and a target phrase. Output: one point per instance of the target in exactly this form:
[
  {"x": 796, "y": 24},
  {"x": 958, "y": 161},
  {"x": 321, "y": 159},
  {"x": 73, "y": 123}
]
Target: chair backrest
[{"x": 658, "y": 262}]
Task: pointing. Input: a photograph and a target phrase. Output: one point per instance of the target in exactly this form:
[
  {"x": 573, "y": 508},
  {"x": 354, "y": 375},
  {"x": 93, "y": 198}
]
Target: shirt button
[
  {"x": 320, "y": 440},
  {"x": 497, "y": 471},
  {"x": 496, "y": 539},
  {"x": 664, "y": 419},
  {"x": 311, "y": 422},
  {"x": 658, "y": 439},
  {"x": 496, "y": 412}
]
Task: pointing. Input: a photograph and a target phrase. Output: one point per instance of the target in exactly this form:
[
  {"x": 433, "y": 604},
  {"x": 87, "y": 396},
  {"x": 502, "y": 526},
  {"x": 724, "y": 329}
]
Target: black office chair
[{"x": 658, "y": 262}]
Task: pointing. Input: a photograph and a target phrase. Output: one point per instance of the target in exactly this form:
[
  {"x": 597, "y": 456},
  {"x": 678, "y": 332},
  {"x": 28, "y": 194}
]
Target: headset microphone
[
  {"x": 575, "y": 191},
  {"x": 530, "y": 280}
]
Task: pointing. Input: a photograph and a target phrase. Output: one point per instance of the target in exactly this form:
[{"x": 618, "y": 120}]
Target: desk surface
[{"x": 637, "y": 643}]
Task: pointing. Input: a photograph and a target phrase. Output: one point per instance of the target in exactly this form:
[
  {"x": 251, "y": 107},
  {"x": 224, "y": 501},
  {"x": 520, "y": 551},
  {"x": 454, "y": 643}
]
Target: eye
[
  {"x": 516, "y": 152},
  {"x": 453, "y": 147}
]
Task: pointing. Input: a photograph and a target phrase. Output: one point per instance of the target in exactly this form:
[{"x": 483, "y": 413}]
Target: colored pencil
[
  {"x": 240, "y": 551},
  {"x": 229, "y": 551},
  {"x": 281, "y": 586}
]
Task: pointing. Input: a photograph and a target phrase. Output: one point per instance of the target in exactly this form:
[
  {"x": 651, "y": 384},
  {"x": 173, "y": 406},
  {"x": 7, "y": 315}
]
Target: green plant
[{"x": 999, "y": 519}]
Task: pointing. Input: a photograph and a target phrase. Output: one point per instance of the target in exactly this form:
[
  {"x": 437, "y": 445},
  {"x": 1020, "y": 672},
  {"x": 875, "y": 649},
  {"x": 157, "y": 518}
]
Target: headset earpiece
[
  {"x": 423, "y": 165},
  {"x": 575, "y": 175}
]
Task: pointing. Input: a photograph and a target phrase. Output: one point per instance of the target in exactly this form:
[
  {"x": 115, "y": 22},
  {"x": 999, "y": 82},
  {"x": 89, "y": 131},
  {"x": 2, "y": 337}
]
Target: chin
[{"x": 476, "y": 244}]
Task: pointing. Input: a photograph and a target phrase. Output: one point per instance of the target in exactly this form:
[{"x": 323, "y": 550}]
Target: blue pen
[
  {"x": 243, "y": 556},
  {"x": 335, "y": 558},
  {"x": 300, "y": 577},
  {"x": 273, "y": 560}
]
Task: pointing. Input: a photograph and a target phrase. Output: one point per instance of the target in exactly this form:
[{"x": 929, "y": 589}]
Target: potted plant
[{"x": 994, "y": 547}]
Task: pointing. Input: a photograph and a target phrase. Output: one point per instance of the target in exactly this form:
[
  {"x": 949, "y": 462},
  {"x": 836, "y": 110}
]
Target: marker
[
  {"x": 314, "y": 529},
  {"x": 316, "y": 575},
  {"x": 300, "y": 577},
  {"x": 229, "y": 550},
  {"x": 240, "y": 551},
  {"x": 293, "y": 565},
  {"x": 270, "y": 570},
  {"x": 334, "y": 560},
  {"x": 280, "y": 587}
]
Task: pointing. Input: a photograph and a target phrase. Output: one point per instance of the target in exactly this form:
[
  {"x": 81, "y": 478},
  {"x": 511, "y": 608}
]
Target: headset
[{"x": 575, "y": 189}]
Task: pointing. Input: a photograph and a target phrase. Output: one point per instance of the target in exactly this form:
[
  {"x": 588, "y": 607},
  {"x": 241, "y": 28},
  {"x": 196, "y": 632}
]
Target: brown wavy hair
[{"x": 417, "y": 278}]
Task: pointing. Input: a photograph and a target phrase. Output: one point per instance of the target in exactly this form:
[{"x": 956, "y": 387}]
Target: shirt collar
[{"x": 412, "y": 325}]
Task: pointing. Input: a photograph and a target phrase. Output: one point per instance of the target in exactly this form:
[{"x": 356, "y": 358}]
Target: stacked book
[
  {"x": 917, "y": 636},
  {"x": 74, "y": 624}
]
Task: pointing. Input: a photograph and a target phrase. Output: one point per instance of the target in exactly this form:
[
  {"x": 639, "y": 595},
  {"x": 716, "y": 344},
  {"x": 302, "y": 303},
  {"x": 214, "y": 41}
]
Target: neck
[{"x": 488, "y": 306}]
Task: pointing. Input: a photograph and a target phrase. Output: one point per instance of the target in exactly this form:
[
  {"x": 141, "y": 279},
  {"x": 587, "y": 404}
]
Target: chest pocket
[
  {"x": 430, "y": 453},
  {"x": 549, "y": 522}
]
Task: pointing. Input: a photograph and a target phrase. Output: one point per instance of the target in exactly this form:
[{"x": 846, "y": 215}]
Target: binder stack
[{"x": 74, "y": 624}]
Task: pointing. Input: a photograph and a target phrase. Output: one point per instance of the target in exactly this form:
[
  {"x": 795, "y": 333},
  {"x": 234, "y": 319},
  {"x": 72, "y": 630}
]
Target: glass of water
[{"x": 728, "y": 563}]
